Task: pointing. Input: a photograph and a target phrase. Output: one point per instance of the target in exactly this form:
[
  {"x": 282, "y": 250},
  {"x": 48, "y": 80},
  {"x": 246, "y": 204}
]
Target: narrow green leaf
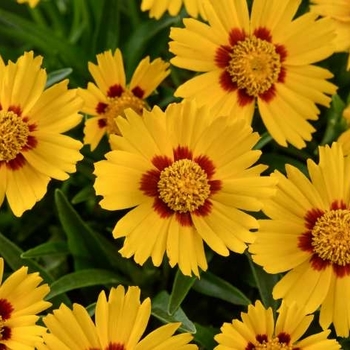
[
  {"x": 81, "y": 27},
  {"x": 160, "y": 311},
  {"x": 182, "y": 285},
  {"x": 134, "y": 13},
  {"x": 18, "y": 28},
  {"x": 264, "y": 282},
  {"x": 48, "y": 248},
  {"x": 57, "y": 76},
  {"x": 90, "y": 249},
  {"x": 53, "y": 14},
  {"x": 265, "y": 138},
  {"x": 84, "y": 278},
  {"x": 336, "y": 124},
  {"x": 83, "y": 195},
  {"x": 87, "y": 249},
  {"x": 108, "y": 32},
  {"x": 278, "y": 162},
  {"x": 91, "y": 309},
  {"x": 12, "y": 256},
  {"x": 214, "y": 286},
  {"x": 205, "y": 336},
  {"x": 138, "y": 40}
]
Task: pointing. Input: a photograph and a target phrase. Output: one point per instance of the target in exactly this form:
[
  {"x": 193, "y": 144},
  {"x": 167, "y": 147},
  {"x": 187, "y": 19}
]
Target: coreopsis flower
[
  {"x": 307, "y": 234},
  {"x": 265, "y": 58},
  {"x": 120, "y": 322},
  {"x": 339, "y": 12},
  {"x": 157, "y": 8},
  {"x": 110, "y": 96},
  {"x": 33, "y": 148},
  {"x": 188, "y": 178},
  {"x": 31, "y": 3},
  {"x": 259, "y": 330},
  {"x": 21, "y": 299}
]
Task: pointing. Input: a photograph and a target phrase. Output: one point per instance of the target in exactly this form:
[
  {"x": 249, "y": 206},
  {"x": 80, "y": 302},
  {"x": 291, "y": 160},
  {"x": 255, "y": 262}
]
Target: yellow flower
[
  {"x": 259, "y": 331},
  {"x": 21, "y": 299},
  {"x": 189, "y": 179},
  {"x": 32, "y": 3},
  {"x": 265, "y": 58},
  {"x": 111, "y": 96},
  {"x": 120, "y": 322},
  {"x": 308, "y": 235},
  {"x": 339, "y": 12},
  {"x": 157, "y": 8},
  {"x": 32, "y": 147}
]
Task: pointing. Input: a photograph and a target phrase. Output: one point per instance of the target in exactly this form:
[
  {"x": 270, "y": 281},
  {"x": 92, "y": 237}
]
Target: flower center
[
  {"x": 254, "y": 66},
  {"x": 183, "y": 186},
  {"x": 14, "y": 134},
  {"x": 273, "y": 344},
  {"x": 116, "y": 107},
  {"x": 331, "y": 236}
]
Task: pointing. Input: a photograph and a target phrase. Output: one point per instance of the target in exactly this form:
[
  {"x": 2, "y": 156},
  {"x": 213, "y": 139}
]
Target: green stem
[
  {"x": 55, "y": 18},
  {"x": 38, "y": 17},
  {"x": 81, "y": 21}
]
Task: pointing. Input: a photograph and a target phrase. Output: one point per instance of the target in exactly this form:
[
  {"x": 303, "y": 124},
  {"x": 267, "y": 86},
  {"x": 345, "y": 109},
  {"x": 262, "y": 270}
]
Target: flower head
[
  {"x": 120, "y": 322},
  {"x": 339, "y": 12},
  {"x": 189, "y": 179},
  {"x": 157, "y": 8},
  {"x": 308, "y": 235},
  {"x": 262, "y": 58},
  {"x": 259, "y": 331},
  {"x": 21, "y": 299},
  {"x": 111, "y": 95},
  {"x": 32, "y": 147}
]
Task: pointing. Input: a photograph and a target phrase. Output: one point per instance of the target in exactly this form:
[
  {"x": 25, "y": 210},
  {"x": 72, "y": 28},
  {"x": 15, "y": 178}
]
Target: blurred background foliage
[{"x": 67, "y": 236}]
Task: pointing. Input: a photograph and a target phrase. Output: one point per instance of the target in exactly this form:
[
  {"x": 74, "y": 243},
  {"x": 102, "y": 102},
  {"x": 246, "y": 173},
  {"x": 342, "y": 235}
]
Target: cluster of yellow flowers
[
  {"x": 121, "y": 320},
  {"x": 191, "y": 172}
]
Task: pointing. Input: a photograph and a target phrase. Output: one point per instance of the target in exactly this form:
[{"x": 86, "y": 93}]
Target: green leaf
[
  {"x": 57, "y": 76},
  {"x": 84, "y": 195},
  {"x": 160, "y": 311},
  {"x": 214, "y": 286},
  {"x": 89, "y": 250},
  {"x": 205, "y": 336},
  {"x": 336, "y": 124},
  {"x": 48, "y": 248},
  {"x": 12, "y": 256},
  {"x": 91, "y": 309},
  {"x": 265, "y": 138},
  {"x": 80, "y": 28},
  {"x": 182, "y": 285},
  {"x": 144, "y": 33},
  {"x": 17, "y": 28},
  {"x": 278, "y": 162},
  {"x": 108, "y": 32},
  {"x": 264, "y": 282},
  {"x": 84, "y": 278}
]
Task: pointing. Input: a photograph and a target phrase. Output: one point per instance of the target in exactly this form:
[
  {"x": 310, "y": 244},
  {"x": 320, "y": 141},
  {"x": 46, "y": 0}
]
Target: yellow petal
[
  {"x": 109, "y": 70},
  {"x": 304, "y": 285}
]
